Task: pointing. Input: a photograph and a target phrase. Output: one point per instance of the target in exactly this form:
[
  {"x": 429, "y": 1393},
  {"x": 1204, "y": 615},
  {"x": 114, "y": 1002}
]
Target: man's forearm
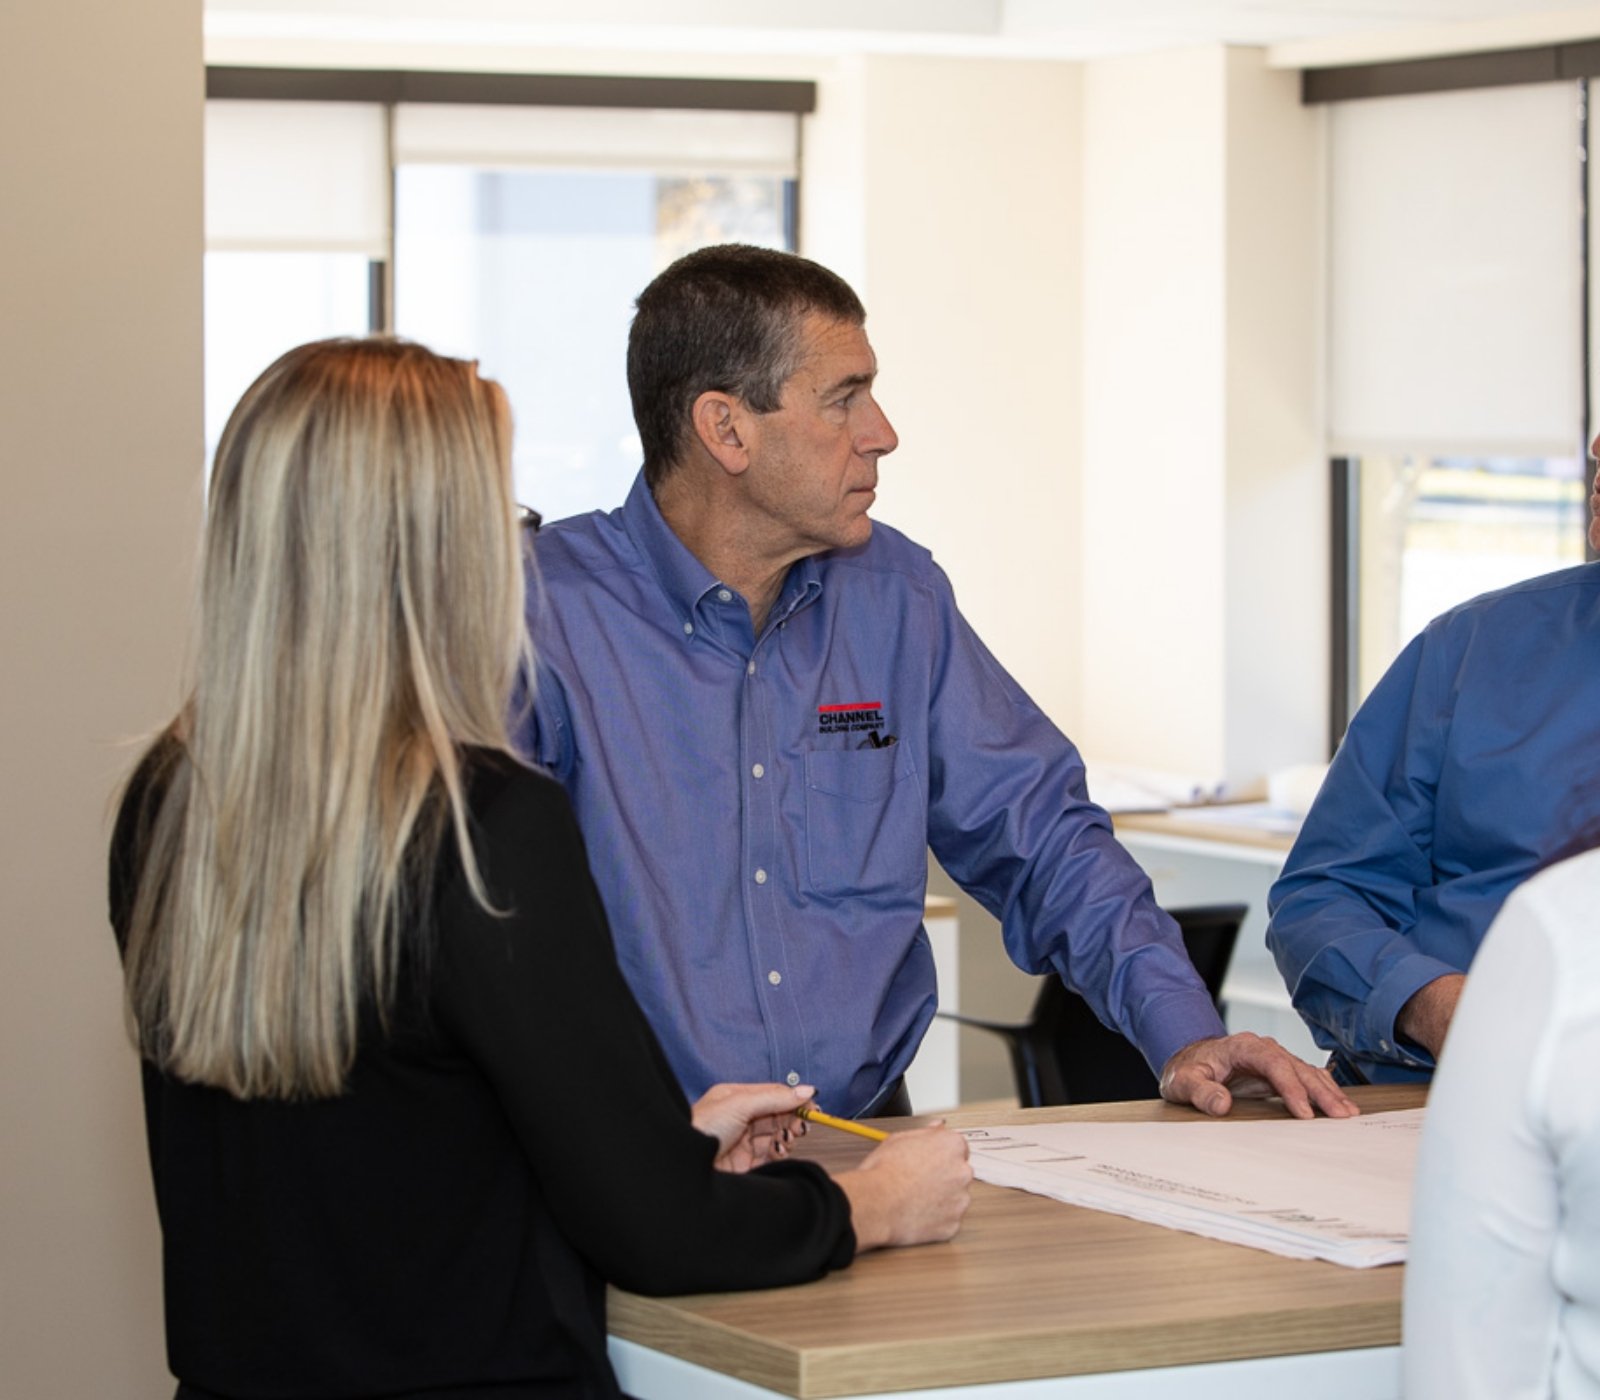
[{"x": 1425, "y": 1018}]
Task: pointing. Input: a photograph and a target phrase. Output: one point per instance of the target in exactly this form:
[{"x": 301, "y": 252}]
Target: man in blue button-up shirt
[
  {"x": 1474, "y": 762},
  {"x": 766, "y": 709}
]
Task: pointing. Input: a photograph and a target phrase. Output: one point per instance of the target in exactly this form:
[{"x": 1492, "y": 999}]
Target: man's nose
[{"x": 879, "y": 438}]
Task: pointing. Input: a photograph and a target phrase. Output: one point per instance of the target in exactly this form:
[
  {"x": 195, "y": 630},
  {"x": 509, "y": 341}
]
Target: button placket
[{"x": 764, "y": 901}]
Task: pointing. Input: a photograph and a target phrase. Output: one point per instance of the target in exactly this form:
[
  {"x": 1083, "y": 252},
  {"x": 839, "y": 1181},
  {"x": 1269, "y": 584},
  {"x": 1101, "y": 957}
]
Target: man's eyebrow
[{"x": 850, "y": 381}]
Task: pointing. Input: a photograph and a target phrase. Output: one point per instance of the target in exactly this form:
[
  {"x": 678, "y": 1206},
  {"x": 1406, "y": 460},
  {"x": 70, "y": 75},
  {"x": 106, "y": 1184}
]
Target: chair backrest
[{"x": 1065, "y": 1055}]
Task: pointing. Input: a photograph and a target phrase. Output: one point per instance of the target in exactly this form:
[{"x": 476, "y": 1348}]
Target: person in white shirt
[{"x": 1502, "y": 1292}]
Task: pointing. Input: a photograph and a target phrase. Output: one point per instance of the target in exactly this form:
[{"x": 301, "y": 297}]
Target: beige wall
[
  {"x": 1205, "y": 507},
  {"x": 100, "y": 106},
  {"x": 1275, "y": 678},
  {"x": 1154, "y": 468},
  {"x": 972, "y": 217}
]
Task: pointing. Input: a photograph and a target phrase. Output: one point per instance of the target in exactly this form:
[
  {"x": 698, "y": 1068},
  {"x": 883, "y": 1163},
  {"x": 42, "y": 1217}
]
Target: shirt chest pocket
[{"x": 866, "y": 822}]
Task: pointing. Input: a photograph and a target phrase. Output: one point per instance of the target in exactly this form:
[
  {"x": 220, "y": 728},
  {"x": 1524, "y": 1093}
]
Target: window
[
  {"x": 522, "y": 236},
  {"x": 296, "y": 222},
  {"x": 518, "y": 237},
  {"x": 533, "y": 273},
  {"x": 259, "y": 304},
  {"x": 1432, "y": 531},
  {"x": 1456, "y": 357}
]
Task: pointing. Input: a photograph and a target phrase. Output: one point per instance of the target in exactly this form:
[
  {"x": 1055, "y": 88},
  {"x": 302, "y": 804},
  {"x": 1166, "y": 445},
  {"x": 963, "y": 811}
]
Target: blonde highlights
[{"x": 360, "y": 620}]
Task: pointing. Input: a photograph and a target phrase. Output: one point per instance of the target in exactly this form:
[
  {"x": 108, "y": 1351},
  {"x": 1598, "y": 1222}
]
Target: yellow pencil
[{"x": 813, "y": 1114}]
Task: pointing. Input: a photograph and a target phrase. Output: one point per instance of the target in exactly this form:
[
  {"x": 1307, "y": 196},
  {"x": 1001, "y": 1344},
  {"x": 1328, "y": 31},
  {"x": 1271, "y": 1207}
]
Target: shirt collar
[
  {"x": 683, "y": 578},
  {"x": 800, "y": 588}
]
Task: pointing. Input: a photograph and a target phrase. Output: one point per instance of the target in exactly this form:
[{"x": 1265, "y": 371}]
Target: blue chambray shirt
[
  {"x": 1475, "y": 760},
  {"x": 763, "y": 865}
]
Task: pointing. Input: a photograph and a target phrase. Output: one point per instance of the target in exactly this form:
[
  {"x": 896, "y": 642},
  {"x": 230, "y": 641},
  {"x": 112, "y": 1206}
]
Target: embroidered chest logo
[{"x": 851, "y": 717}]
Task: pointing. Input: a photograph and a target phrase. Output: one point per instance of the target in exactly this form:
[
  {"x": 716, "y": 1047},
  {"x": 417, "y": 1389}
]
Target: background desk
[
  {"x": 1194, "y": 862},
  {"x": 1034, "y": 1299},
  {"x": 934, "y": 1078}
]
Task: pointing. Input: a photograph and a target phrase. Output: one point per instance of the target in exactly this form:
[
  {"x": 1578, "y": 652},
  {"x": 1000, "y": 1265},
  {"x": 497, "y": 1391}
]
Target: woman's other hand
[
  {"x": 912, "y": 1189},
  {"x": 752, "y": 1123}
]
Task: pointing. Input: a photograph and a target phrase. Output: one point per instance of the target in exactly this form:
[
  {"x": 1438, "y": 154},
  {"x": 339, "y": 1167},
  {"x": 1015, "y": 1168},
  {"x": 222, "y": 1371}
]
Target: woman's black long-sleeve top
[{"x": 445, "y": 1227}]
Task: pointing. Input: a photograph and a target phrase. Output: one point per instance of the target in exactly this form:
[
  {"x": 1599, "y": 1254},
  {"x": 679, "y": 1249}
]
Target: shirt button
[
  {"x": 750, "y": 669},
  {"x": 1384, "y": 1046},
  {"x": 723, "y": 595},
  {"x": 774, "y": 978},
  {"x": 761, "y": 877},
  {"x": 688, "y": 629},
  {"x": 758, "y": 771},
  {"x": 791, "y": 1078}
]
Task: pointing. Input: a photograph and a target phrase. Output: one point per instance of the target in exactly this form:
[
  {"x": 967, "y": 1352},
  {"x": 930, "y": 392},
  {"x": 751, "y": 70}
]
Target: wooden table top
[
  {"x": 1175, "y": 823},
  {"x": 1029, "y": 1288}
]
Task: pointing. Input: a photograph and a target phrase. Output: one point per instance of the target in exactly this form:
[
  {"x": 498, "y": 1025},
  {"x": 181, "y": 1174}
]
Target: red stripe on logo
[{"x": 853, "y": 705}]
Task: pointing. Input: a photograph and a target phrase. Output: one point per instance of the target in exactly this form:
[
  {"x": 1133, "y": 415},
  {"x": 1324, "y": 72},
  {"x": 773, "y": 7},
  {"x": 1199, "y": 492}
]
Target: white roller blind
[
  {"x": 666, "y": 141},
  {"x": 1454, "y": 272},
  {"x": 284, "y": 176}
]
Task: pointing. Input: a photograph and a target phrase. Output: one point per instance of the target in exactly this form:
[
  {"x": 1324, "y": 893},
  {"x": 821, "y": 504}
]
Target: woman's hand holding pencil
[
  {"x": 752, "y": 1123},
  {"x": 914, "y": 1188},
  {"x": 812, "y": 1114}
]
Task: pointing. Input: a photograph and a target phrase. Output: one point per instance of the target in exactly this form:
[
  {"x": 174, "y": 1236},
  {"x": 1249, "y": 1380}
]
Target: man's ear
[{"x": 720, "y": 422}]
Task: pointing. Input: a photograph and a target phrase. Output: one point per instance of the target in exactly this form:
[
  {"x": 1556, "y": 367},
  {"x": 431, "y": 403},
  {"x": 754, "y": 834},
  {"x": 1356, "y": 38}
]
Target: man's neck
[{"x": 719, "y": 539}]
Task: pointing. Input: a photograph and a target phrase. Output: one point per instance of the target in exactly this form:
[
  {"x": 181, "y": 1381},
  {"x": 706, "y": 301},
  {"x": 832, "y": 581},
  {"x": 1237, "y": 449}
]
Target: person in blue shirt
[
  {"x": 766, "y": 709},
  {"x": 1474, "y": 762}
]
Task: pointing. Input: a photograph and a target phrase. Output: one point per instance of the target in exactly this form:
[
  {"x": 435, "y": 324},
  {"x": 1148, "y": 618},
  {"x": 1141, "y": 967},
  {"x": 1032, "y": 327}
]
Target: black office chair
[{"x": 1062, "y": 1054}]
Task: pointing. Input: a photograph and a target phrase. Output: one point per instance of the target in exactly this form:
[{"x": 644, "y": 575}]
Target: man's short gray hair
[{"x": 726, "y": 319}]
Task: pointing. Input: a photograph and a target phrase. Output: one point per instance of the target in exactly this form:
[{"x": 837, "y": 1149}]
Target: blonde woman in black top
[{"x": 404, "y": 1116}]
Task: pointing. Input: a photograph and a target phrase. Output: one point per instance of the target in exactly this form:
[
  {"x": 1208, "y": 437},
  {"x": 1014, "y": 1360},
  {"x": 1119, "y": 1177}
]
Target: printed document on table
[
  {"x": 1248, "y": 816},
  {"x": 1326, "y": 1188}
]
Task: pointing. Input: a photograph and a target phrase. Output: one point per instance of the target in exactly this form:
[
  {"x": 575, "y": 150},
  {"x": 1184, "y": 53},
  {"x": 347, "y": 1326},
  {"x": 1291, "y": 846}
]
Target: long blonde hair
[{"x": 360, "y": 619}]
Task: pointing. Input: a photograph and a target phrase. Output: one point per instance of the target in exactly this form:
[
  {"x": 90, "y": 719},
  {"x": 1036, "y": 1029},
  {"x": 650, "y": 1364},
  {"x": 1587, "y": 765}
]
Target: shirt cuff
[
  {"x": 1402, "y": 982},
  {"x": 1168, "y": 1023}
]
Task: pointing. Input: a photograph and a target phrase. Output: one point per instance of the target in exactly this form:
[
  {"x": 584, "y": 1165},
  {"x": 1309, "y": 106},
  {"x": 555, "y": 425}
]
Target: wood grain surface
[
  {"x": 1174, "y": 823},
  {"x": 1029, "y": 1288}
]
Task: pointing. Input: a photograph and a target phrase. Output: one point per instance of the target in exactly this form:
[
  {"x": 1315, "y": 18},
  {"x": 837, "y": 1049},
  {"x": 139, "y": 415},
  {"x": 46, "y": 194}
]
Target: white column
[{"x": 1204, "y": 505}]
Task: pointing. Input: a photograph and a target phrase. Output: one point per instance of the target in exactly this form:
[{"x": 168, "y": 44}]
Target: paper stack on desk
[
  {"x": 1119, "y": 787},
  {"x": 1245, "y": 816},
  {"x": 1328, "y": 1188}
]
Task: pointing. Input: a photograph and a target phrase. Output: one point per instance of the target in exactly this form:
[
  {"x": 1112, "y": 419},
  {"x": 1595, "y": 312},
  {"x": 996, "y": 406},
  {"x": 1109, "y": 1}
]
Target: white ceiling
[{"x": 1300, "y": 31}]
